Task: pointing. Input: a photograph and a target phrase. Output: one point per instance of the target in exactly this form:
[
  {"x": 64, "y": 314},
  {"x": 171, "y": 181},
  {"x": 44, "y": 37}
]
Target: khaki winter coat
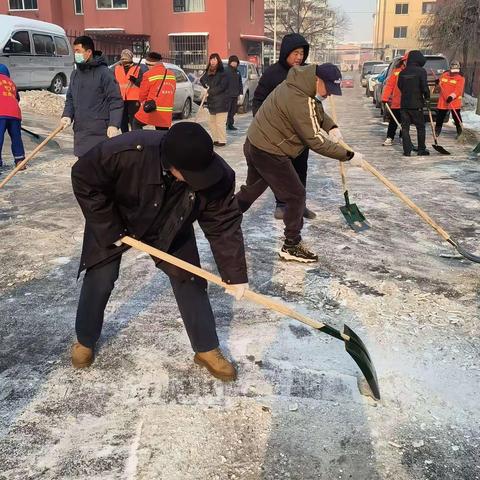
[{"x": 290, "y": 119}]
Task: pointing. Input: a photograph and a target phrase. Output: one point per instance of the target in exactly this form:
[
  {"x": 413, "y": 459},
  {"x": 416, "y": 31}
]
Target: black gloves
[{"x": 449, "y": 99}]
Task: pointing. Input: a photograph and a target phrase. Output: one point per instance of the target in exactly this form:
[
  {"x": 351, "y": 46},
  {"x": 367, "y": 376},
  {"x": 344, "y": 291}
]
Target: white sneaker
[{"x": 388, "y": 142}]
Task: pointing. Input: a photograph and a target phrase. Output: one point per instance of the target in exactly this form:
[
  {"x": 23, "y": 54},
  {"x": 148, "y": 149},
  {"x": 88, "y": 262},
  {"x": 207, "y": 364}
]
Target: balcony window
[
  {"x": 111, "y": 4},
  {"x": 23, "y": 5},
  {"x": 428, "y": 7},
  {"x": 400, "y": 32},
  {"x": 78, "y": 7},
  {"x": 188, "y": 6},
  {"x": 401, "y": 9}
]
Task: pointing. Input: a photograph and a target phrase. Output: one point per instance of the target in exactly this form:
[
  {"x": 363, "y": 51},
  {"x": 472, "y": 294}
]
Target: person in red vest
[
  {"x": 157, "y": 94},
  {"x": 129, "y": 78},
  {"x": 452, "y": 86},
  {"x": 392, "y": 95},
  {"x": 10, "y": 116}
]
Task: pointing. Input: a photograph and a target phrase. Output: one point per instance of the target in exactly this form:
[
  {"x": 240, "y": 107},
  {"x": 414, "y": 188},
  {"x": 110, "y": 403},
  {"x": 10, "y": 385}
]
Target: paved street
[{"x": 144, "y": 411}]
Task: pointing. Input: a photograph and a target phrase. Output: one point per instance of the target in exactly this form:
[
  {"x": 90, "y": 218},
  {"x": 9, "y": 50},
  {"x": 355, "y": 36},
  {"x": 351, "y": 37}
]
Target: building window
[
  {"x": 23, "y": 5},
  {"x": 78, "y": 7},
  {"x": 400, "y": 32},
  {"x": 189, "y": 51},
  {"x": 109, "y": 4},
  {"x": 252, "y": 11},
  {"x": 399, "y": 52},
  {"x": 188, "y": 6},
  {"x": 428, "y": 7},
  {"x": 19, "y": 44},
  {"x": 401, "y": 9}
]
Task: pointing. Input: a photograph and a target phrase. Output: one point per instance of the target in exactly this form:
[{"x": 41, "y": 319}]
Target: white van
[{"x": 38, "y": 54}]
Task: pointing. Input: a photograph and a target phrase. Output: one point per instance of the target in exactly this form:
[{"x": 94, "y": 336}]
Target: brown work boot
[
  {"x": 82, "y": 357},
  {"x": 216, "y": 364}
]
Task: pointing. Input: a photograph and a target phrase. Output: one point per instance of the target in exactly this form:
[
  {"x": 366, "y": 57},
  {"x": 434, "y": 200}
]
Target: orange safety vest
[
  {"x": 451, "y": 83},
  {"x": 391, "y": 92},
  {"x": 149, "y": 90},
  {"x": 128, "y": 90}
]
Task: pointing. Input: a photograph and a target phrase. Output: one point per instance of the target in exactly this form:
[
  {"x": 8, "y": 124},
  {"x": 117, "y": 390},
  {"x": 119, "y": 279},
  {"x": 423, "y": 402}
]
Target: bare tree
[
  {"x": 453, "y": 28},
  {"x": 313, "y": 19}
]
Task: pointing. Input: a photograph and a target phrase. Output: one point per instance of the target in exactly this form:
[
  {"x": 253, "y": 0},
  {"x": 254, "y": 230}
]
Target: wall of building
[{"x": 386, "y": 20}]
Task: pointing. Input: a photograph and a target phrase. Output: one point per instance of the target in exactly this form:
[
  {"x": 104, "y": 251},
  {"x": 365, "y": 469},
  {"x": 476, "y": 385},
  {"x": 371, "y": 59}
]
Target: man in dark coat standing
[
  {"x": 153, "y": 185},
  {"x": 235, "y": 89},
  {"x": 293, "y": 52},
  {"x": 94, "y": 103},
  {"x": 413, "y": 84}
]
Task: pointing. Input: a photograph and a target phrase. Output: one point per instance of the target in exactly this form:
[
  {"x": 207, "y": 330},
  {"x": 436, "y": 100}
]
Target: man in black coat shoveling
[
  {"x": 413, "y": 83},
  {"x": 293, "y": 53},
  {"x": 153, "y": 186}
]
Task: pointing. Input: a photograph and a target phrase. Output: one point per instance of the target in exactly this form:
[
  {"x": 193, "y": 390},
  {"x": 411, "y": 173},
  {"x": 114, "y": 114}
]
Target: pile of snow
[{"x": 42, "y": 102}]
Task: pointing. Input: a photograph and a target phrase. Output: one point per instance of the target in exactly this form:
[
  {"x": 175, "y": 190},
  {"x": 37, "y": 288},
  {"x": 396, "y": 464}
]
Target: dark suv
[{"x": 435, "y": 66}]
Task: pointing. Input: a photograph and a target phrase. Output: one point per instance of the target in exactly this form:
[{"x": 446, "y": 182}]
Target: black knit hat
[
  {"x": 189, "y": 148},
  {"x": 233, "y": 58}
]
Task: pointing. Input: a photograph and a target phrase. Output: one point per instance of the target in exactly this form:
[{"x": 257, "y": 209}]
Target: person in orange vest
[
  {"x": 10, "y": 116},
  {"x": 452, "y": 86},
  {"x": 129, "y": 77},
  {"x": 392, "y": 95},
  {"x": 156, "y": 96}
]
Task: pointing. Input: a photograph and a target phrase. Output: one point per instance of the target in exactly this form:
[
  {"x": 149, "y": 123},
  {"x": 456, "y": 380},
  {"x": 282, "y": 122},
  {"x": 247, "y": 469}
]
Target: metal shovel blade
[
  {"x": 440, "y": 149},
  {"x": 38, "y": 139},
  {"x": 464, "y": 253},
  {"x": 477, "y": 149},
  {"x": 353, "y": 216},
  {"x": 358, "y": 351}
]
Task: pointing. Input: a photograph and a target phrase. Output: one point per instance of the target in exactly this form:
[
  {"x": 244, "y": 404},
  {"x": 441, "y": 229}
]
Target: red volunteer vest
[
  {"x": 391, "y": 92},
  {"x": 9, "y": 106},
  {"x": 451, "y": 83},
  {"x": 128, "y": 90},
  {"x": 164, "y": 99}
]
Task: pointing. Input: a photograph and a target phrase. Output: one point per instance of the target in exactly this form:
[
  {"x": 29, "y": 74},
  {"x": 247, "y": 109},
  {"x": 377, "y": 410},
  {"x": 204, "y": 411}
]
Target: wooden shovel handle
[
  {"x": 394, "y": 189},
  {"x": 432, "y": 127},
  {"x": 29, "y": 157},
  {"x": 204, "y": 97},
  {"x": 343, "y": 175},
  {"x": 200, "y": 272},
  {"x": 393, "y": 116}
]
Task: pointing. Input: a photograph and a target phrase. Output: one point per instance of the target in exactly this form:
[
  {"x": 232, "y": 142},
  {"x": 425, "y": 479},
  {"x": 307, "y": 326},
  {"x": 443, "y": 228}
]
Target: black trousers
[
  {"x": 190, "y": 293},
  {"x": 130, "y": 108},
  {"x": 416, "y": 118},
  {"x": 232, "y": 110},
  {"x": 392, "y": 124},
  {"x": 300, "y": 164},
  {"x": 441, "y": 114},
  {"x": 277, "y": 172}
]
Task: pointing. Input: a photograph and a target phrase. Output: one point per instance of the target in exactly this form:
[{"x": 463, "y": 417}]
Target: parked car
[
  {"x": 435, "y": 66},
  {"x": 367, "y": 70},
  {"x": 184, "y": 94},
  {"x": 38, "y": 54},
  {"x": 347, "y": 82},
  {"x": 372, "y": 77}
]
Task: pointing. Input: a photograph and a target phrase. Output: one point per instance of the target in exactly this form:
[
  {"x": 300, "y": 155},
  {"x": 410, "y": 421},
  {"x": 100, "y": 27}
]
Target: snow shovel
[
  {"x": 445, "y": 235},
  {"x": 39, "y": 138},
  {"x": 352, "y": 214},
  {"x": 29, "y": 157},
  {"x": 353, "y": 344},
  {"x": 436, "y": 146}
]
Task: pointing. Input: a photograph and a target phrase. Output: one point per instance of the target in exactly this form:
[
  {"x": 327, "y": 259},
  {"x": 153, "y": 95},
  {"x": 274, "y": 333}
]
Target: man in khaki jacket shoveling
[{"x": 291, "y": 119}]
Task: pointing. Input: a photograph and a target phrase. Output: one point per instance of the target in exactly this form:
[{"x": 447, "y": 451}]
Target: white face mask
[
  {"x": 319, "y": 98},
  {"x": 79, "y": 58}
]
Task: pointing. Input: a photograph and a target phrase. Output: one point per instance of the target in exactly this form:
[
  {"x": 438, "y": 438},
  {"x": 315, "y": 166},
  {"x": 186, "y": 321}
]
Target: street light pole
[{"x": 274, "y": 31}]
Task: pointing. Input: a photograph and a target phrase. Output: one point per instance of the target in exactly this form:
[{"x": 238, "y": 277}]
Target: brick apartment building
[{"x": 185, "y": 31}]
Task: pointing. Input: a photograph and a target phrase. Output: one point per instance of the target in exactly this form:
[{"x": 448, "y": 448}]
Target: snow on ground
[{"x": 145, "y": 411}]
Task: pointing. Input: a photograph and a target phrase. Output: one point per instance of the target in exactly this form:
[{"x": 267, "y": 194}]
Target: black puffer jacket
[
  {"x": 275, "y": 74},
  {"x": 235, "y": 84},
  {"x": 413, "y": 82},
  {"x": 217, "y": 91},
  {"x": 93, "y": 102}
]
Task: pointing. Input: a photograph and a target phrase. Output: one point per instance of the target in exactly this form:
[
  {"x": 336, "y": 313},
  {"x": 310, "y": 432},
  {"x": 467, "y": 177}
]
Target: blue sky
[{"x": 360, "y": 13}]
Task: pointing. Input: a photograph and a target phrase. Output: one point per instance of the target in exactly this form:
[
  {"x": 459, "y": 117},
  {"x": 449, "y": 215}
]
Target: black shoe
[
  {"x": 438, "y": 131},
  {"x": 308, "y": 214},
  {"x": 219, "y": 144},
  {"x": 423, "y": 153},
  {"x": 279, "y": 211},
  {"x": 414, "y": 149},
  {"x": 407, "y": 154},
  {"x": 231, "y": 127},
  {"x": 298, "y": 253}
]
